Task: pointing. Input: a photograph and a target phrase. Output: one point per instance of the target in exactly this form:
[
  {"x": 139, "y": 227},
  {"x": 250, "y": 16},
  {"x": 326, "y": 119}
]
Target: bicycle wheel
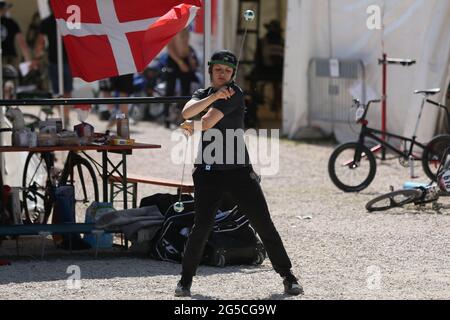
[
  {"x": 81, "y": 175},
  {"x": 137, "y": 112},
  {"x": 433, "y": 153},
  {"x": 352, "y": 167},
  {"x": 37, "y": 201},
  {"x": 31, "y": 121},
  {"x": 393, "y": 200},
  {"x": 156, "y": 110}
]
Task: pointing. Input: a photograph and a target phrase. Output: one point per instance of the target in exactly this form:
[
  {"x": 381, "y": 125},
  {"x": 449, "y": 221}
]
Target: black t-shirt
[
  {"x": 223, "y": 146},
  {"x": 9, "y": 30},
  {"x": 48, "y": 27}
]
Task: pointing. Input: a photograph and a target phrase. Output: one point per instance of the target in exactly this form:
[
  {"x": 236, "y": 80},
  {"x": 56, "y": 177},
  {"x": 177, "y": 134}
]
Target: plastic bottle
[
  {"x": 123, "y": 127},
  {"x": 413, "y": 185},
  {"x": 411, "y": 167},
  {"x": 32, "y": 139}
]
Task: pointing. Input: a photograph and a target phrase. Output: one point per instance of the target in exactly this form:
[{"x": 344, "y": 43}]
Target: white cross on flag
[{"x": 106, "y": 38}]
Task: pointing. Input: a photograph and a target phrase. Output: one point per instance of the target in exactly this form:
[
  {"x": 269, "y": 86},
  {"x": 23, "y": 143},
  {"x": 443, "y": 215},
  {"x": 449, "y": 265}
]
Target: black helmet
[{"x": 224, "y": 57}]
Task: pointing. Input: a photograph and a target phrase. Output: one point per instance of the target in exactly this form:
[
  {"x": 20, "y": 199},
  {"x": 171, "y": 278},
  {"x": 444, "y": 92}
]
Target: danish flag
[{"x": 106, "y": 38}]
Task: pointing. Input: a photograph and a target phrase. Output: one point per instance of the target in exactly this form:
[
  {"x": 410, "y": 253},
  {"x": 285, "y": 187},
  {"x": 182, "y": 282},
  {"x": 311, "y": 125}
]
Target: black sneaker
[
  {"x": 182, "y": 290},
  {"x": 292, "y": 287}
]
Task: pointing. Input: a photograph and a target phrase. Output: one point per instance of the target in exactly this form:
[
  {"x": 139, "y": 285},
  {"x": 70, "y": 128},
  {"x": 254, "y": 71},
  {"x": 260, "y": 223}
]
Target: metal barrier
[
  {"x": 329, "y": 84},
  {"x": 80, "y": 101}
]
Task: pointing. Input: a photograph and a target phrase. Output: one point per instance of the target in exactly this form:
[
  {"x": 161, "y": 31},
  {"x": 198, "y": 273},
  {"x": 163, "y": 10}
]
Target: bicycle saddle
[
  {"x": 429, "y": 92},
  {"x": 402, "y": 62}
]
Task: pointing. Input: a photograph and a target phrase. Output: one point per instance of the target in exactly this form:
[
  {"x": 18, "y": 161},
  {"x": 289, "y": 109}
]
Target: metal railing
[
  {"x": 84, "y": 101},
  {"x": 329, "y": 97}
]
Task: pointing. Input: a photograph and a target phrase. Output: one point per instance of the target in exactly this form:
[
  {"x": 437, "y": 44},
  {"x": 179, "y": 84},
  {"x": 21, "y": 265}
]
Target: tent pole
[
  {"x": 384, "y": 84},
  {"x": 206, "y": 38},
  {"x": 330, "y": 44},
  {"x": 384, "y": 104}
]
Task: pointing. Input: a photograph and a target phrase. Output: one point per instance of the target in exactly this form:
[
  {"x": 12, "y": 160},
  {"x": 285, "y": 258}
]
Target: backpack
[{"x": 232, "y": 241}]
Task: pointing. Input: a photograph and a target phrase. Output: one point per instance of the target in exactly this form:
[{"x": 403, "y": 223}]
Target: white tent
[{"x": 417, "y": 29}]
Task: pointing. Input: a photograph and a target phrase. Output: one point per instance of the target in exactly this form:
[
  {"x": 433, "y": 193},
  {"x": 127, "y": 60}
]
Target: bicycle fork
[{"x": 68, "y": 171}]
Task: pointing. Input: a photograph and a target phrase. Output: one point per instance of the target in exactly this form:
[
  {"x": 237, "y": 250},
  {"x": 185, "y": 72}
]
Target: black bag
[
  {"x": 232, "y": 241},
  {"x": 169, "y": 242}
]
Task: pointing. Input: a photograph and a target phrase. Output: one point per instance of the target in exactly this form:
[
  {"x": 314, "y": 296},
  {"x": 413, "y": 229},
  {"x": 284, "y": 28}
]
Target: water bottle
[
  {"x": 123, "y": 127},
  {"x": 413, "y": 185},
  {"x": 411, "y": 167},
  {"x": 32, "y": 138}
]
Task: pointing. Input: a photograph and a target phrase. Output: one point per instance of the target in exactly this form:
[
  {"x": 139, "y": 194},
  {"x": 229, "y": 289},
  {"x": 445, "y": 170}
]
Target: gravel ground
[{"x": 338, "y": 250}]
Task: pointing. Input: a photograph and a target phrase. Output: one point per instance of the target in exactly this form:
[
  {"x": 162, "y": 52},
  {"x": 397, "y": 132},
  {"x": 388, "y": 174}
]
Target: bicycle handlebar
[
  {"x": 362, "y": 116},
  {"x": 440, "y": 106},
  {"x": 436, "y": 104},
  {"x": 358, "y": 103}
]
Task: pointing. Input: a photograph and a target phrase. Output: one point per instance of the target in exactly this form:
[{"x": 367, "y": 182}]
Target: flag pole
[
  {"x": 60, "y": 72},
  {"x": 206, "y": 38},
  {"x": 2, "y": 119}
]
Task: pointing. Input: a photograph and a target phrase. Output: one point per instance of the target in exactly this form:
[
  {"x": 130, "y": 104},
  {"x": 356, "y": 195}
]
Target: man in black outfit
[
  {"x": 47, "y": 30},
  {"x": 228, "y": 170},
  {"x": 11, "y": 34},
  {"x": 181, "y": 65}
]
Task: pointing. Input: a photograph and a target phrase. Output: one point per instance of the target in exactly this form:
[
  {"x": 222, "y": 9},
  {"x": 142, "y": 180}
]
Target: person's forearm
[
  {"x": 23, "y": 47},
  {"x": 202, "y": 124},
  {"x": 39, "y": 47},
  {"x": 193, "y": 109},
  {"x": 174, "y": 55}
]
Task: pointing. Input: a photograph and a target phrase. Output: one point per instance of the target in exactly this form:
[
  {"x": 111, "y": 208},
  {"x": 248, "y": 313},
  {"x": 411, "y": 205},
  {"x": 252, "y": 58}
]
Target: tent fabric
[{"x": 415, "y": 29}]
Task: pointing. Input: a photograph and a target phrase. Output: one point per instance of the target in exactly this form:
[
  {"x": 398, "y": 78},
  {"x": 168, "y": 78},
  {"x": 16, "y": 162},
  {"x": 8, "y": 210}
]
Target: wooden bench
[{"x": 133, "y": 181}]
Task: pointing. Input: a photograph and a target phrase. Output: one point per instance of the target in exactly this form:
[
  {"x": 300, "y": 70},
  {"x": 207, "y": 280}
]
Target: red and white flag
[{"x": 106, "y": 38}]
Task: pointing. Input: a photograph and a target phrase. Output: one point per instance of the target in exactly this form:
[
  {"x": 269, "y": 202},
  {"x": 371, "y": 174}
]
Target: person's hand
[
  {"x": 183, "y": 67},
  {"x": 35, "y": 64},
  {"x": 188, "y": 127},
  {"x": 224, "y": 93}
]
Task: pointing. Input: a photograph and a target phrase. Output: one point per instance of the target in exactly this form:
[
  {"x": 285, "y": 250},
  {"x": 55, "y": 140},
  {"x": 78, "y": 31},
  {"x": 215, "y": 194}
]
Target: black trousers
[
  {"x": 175, "y": 73},
  {"x": 242, "y": 185}
]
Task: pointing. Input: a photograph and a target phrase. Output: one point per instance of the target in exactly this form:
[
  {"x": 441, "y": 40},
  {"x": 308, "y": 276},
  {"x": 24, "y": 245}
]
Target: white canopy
[{"x": 416, "y": 29}]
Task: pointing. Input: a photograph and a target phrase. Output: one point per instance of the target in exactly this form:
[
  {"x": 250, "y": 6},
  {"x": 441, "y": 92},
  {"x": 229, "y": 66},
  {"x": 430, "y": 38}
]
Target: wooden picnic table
[{"x": 119, "y": 169}]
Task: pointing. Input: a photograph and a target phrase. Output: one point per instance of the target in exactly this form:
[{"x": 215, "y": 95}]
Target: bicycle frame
[
  {"x": 372, "y": 132},
  {"x": 367, "y": 132}
]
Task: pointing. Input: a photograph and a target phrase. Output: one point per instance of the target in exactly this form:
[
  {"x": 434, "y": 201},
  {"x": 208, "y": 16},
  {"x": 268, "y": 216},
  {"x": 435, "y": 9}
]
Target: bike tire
[
  {"x": 156, "y": 110},
  {"x": 354, "y": 164},
  {"x": 31, "y": 121},
  {"x": 37, "y": 199},
  {"x": 396, "y": 199},
  {"x": 67, "y": 178},
  {"x": 432, "y": 155},
  {"x": 137, "y": 112}
]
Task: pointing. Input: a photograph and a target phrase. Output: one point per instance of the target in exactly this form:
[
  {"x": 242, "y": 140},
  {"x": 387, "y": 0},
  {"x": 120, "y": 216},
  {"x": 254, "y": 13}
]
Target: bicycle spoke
[
  {"x": 37, "y": 168},
  {"x": 83, "y": 185},
  {"x": 36, "y": 195},
  {"x": 82, "y": 177}
]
